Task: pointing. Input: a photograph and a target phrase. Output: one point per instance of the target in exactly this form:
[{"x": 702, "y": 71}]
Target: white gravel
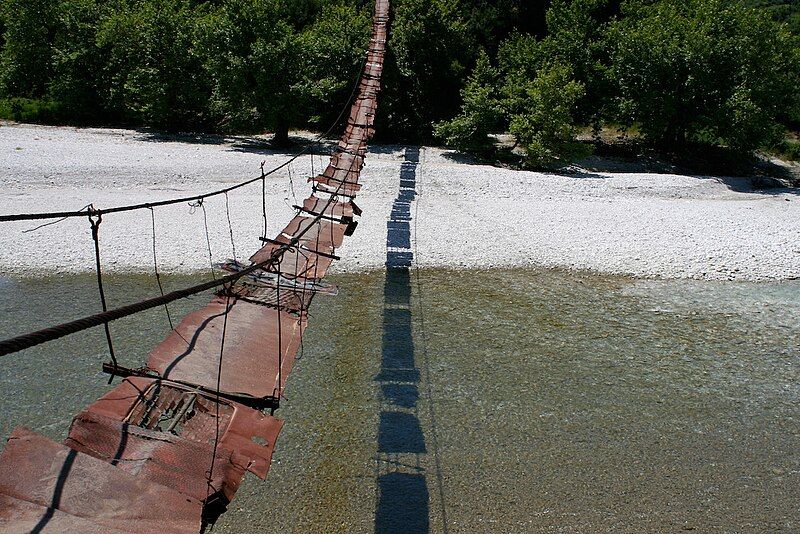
[{"x": 651, "y": 225}]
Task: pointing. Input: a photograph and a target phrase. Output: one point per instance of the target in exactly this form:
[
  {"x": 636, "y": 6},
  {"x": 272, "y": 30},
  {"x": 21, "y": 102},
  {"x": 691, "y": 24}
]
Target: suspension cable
[
  {"x": 94, "y": 221},
  {"x": 228, "y": 308},
  {"x": 155, "y": 269}
]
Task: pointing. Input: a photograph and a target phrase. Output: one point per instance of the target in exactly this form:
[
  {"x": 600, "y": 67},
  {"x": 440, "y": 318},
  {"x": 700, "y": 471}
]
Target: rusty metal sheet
[
  {"x": 348, "y": 171},
  {"x": 159, "y": 457},
  {"x": 40, "y": 471},
  {"x": 250, "y": 360},
  {"x": 258, "y": 291},
  {"x": 374, "y": 70},
  {"x": 334, "y": 175},
  {"x": 351, "y": 164},
  {"x": 343, "y": 160},
  {"x": 23, "y": 516},
  {"x": 353, "y": 146},
  {"x": 296, "y": 262},
  {"x": 363, "y": 115},
  {"x": 341, "y": 182},
  {"x": 360, "y": 133},
  {"x": 244, "y": 430},
  {"x": 323, "y": 232},
  {"x": 328, "y": 208}
]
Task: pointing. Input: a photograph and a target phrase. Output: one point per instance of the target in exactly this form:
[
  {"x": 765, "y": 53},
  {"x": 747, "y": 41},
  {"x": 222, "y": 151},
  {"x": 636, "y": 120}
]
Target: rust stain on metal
[
  {"x": 47, "y": 474},
  {"x": 251, "y": 354}
]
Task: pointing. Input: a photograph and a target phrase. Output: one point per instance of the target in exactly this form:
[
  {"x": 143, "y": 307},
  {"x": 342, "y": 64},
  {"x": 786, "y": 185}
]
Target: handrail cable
[{"x": 38, "y": 337}]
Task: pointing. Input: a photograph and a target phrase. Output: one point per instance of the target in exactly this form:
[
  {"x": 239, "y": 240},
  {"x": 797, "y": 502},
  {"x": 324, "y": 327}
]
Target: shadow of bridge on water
[{"x": 403, "y": 497}]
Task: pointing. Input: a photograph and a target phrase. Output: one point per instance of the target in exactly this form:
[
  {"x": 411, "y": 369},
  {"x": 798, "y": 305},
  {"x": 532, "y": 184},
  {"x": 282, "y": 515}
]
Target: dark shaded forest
[{"x": 670, "y": 72}]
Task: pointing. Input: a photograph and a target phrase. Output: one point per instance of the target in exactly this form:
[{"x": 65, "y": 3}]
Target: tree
[
  {"x": 704, "y": 70},
  {"x": 576, "y": 37},
  {"x": 154, "y": 72},
  {"x": 268, "y": 75},
  {"x": 433, "y": 51},
  {"x": 25, "y": 60},
  {"x": 77, "y": 60},
  {"x": 481, "y": 112},
  {"x": 544, "y": 124},
  {"x": 332, "y": 54}
]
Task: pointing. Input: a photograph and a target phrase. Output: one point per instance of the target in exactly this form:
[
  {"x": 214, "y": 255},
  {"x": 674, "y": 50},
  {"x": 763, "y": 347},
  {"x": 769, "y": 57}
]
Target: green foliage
[
  {"x": 787, "y": 11},
  {"x": 544, "y": 125},
  {"x": 77, "y": 61},
  {"x": 790, "y": 150},
  {"x": 704, "y": 70},
  {"x": 238, "y": 65},
  {"x": 31, "y": 110},
  {"x": 332, "y": 55},
  {"x": 433, "y": 51},
  {"x": 267, "y": 75},
  {"x": 25, "y": 67},
  {"x": 153, "y": 73},
  {"x": 711, "y": 71},
  {"x": 480, "y": 113},
  {"x": 576, "y": 38},
  {"x": 254, "y": 61}
]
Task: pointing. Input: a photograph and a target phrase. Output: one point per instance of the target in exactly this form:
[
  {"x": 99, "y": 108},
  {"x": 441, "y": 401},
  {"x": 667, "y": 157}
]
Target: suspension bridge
[{"x": 168, "y": 447}]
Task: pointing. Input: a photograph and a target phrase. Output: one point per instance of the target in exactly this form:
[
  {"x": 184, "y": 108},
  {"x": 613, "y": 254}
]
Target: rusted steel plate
[
  {"x": 353, "y": 146},
  {"x": 374, "y": 70},
  {"x": 333, "y": 175},
  {"x": 328, "y": 208},
  {"x": 159, "y": 457},
  {"x": 298, "y": 263},
  {"x": 333, "y": 190},
  {"x": 343, "y": 160},
  {"x": 286, "y": 297},
  {"x": 325, "y": 233},
  {"x": 313, "y": 240},
  {"x": 35, "y": 469},
  {"x": 133, "y": 402},
  {"x": 363, "y": 115},
  {"x": 250, "y": 360},
  {"x": 340, "y": 182},
  {"x": 23, "y": 516},
  {"x": 346, "y": 169}
]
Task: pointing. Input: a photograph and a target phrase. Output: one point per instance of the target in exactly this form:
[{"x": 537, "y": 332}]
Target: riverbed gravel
[{"x": 656, "y": 225}]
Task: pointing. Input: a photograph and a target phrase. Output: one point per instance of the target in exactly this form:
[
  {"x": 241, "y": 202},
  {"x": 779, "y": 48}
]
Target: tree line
[
  {"x": 713, "y": 72},
  {"x": 723, "y": 72}
]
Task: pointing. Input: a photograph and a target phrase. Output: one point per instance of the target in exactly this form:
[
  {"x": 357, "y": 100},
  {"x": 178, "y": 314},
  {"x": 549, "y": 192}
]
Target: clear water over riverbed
[{"x": 540, "y": 400}]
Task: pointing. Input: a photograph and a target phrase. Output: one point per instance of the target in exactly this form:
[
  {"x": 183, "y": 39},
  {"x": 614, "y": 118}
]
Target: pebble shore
[{"x": 652, "y": 225}]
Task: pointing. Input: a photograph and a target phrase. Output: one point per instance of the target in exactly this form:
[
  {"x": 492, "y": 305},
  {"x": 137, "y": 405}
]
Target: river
[{"x": 531, "y": 400}]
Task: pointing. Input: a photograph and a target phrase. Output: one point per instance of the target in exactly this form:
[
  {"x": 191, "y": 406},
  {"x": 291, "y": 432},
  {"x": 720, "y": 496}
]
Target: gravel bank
[{"x": 651, "y": 225}]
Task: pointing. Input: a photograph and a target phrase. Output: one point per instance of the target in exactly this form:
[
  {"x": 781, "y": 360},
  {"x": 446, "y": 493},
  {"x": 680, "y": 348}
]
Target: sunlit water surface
[{"x": 545, "y": 400}]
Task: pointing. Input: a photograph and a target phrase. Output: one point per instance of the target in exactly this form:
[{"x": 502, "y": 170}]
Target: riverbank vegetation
[{"x": 722, "y": 73}]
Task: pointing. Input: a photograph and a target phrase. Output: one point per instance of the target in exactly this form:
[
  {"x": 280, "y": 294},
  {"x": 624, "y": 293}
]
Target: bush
[
  {"x": 480, "y": 113},
  {"x": 77, "y": 61},
  {"x": 434, "y": 51},
  {"x": 267, "y": 75},
  {"x": 545, "y": 125},
  {"x": 704, "y": 70},
  {"x": 332, "y": 54},
  {"x": 31, "y": 110},
  {"x": 789, "y": 150}
]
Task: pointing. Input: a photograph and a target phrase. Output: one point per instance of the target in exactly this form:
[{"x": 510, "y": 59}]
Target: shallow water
[{"x": 539, "y": 400}]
